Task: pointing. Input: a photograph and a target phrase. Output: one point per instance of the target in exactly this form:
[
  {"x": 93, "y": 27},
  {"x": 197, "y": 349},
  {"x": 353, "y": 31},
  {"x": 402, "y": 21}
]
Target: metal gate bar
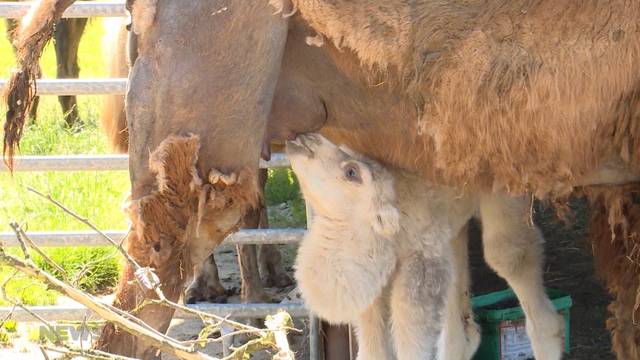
[{"x": 81, "y": 9}]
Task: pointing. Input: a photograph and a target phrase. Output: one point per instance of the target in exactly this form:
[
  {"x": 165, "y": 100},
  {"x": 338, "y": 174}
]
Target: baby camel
[{"x": 387, "y": 252}]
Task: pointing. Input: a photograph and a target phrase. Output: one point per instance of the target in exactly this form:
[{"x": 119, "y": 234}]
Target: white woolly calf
[{"x": 387, "y": 253}]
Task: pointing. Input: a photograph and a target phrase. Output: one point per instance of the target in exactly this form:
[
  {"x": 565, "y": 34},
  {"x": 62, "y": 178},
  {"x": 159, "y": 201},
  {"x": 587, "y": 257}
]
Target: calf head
[
  {"x": 347, "y": 257},
  {"x": 338, "y": 183}
]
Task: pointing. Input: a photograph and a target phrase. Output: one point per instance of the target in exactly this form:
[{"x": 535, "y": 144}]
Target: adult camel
[
  {"x": 520, "y": 96},
  {"x": 119, "y": 53}
]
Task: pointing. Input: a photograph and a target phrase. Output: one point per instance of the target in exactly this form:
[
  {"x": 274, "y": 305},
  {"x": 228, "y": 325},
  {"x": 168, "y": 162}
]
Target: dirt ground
[{"x": 569, "y": 267}]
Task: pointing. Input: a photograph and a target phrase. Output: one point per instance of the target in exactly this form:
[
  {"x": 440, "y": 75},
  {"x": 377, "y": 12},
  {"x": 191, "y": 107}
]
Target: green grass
[
  {"x": 95, "y": 195},
  {"x": 92, "y": 269},
  {"x": 285, "y": 205}
]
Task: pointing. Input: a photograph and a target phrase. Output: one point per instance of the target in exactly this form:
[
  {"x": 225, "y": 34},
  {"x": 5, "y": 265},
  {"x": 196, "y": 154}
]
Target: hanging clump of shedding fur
[
  {"x": 32, "y": 36},
  {"x": 614, "y": 233}
]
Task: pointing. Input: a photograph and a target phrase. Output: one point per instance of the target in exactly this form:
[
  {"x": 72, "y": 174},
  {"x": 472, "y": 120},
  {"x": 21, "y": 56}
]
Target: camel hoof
[{"x": 280, "y": 280}]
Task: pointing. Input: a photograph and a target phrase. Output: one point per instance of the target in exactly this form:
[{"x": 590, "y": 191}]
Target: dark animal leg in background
[
  {"x": 12, "y": 25},
  {"x": 251, "y": 288},
  {"x": 207, "y": 286},
  {"x": 67, "y": 40},
  {"x": 271, "y": 268},
  {"x": 270, "y": 260}
]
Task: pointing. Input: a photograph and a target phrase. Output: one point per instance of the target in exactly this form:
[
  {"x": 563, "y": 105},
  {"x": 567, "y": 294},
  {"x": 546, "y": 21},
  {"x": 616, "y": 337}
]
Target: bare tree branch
[
  {"x": 274, "y": 337},
  {"x": 25, "y": 239},
  {"x": 163, "y": 343}
]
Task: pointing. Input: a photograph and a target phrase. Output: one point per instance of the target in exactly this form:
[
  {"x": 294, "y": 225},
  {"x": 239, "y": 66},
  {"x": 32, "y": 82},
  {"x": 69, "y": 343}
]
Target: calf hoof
[{"x": 280, "y": 280}]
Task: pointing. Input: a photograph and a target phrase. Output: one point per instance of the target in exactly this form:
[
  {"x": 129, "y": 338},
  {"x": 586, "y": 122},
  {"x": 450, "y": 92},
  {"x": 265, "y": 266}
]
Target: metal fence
[{"x": 87, "y": 9}]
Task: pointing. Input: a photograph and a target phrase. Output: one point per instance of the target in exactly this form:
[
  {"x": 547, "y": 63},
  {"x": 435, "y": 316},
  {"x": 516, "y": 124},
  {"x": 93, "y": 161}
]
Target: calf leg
[
  {"x": 514, "y": 250},
  {"x": 372, "y": 334},
  {"x": 270, "y": 260},
  {"x": 418, "y": 294},
  {"x": 461, "y": 335},
  {"x": 67, "y": 40}
]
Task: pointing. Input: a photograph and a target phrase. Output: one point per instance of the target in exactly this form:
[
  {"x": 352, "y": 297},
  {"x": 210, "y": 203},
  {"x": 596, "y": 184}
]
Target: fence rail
[
  {"x": 91, "y": 238},
  {"x": 81, "y": 9},
  {"x": 100, "y": 163},
  {"x": 112, "y": 86},
  {"x": 78, "y": 312}
]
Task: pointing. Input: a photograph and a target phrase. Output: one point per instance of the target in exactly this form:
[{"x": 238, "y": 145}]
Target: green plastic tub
[{"x": 502, "y": 321}]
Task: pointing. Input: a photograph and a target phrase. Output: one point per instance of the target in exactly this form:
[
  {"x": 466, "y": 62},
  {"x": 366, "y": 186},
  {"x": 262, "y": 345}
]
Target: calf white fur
[{"x": 387, "y": 252}]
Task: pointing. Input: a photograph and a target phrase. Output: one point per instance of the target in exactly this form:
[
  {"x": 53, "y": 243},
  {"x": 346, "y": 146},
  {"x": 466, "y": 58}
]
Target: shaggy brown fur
[
  {"x": 524, "y": 95},
  {"x": 164, "y": 225},
  {"x": 614, "y": 233},
  {"x": 159, "y": 232},
  {"x": 33, "y": 35}
]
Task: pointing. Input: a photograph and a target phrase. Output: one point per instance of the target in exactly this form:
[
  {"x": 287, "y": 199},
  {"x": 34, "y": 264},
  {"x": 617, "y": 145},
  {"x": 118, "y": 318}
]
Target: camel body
[{"x": 517, "y": 96}]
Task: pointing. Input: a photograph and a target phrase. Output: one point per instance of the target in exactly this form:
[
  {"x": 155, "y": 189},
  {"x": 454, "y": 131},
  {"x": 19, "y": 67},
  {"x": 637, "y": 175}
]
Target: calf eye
[{"x": 352, "y": 172}]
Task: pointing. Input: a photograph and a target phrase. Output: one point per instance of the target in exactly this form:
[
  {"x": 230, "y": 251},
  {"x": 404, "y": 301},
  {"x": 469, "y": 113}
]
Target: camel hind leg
[{"x": 514, "y": 250}]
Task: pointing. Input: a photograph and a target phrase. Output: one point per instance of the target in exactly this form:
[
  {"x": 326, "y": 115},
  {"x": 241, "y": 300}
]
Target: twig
[
  {"x": 139, "y": 270},
  {"x": 90, "y": 354},
  {"x": 162, "y": 299},
  {"x": 3, "y": 287},
  {"x": 235, "y": 333},
  {"x": 165, "y": 344},
  {"x": 25, "y": 239},
  {"x": 276, "y": 323},
  {"x": 88, "y": 223},
  {"x": 222, "y": 320},
  {"x": 274, "y": 337},
  {"x": 44, "y": 353},
  {"x": 25, "y": 252}
]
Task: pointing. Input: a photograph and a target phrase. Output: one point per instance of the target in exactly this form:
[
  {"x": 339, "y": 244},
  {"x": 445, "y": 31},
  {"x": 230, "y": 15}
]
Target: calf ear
[{"x": 386, "y": 220}]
